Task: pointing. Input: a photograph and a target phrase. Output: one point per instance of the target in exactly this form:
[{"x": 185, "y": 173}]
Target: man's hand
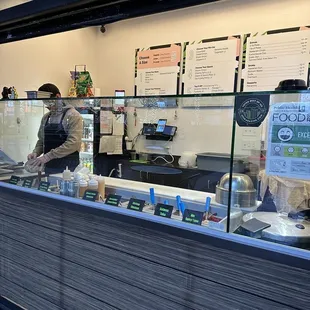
[
  {"x": 40, "y": 161},
  {"x": 32, "y": 156}
]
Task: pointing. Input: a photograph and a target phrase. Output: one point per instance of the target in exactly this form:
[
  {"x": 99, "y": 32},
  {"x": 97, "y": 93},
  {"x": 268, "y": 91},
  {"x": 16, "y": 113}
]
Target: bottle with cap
[
  {"x": 101, "y": 186},
  {"x": 65, "y": 182},
  {"x": 83, "y": 186},
  {"x": 93, "y": 184},
  {"x": 66, "y": 175}
]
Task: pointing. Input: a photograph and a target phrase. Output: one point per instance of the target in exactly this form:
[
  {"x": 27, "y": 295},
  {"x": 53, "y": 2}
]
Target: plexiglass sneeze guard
[{"x": 229, "y": 162}]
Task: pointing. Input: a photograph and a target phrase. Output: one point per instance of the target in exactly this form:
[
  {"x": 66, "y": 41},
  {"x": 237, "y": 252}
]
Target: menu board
[
  {"x": 276, "y": 56},
  {"x": 288, "y": 153},
  {"x": 211, "y": 66},
  {"x": 158, "y": 70}
]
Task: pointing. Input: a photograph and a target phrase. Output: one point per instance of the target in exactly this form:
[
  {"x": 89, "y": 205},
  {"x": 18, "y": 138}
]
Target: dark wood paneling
[{"x": 86, "y": 260}]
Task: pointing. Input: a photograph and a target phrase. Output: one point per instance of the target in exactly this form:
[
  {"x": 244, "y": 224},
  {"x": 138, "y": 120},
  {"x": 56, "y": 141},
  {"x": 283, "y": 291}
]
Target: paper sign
[
  {"x": 210, "y": 67},
  {"x": 288, "y": 151},
  {"x": 274, "y": 58},
  {"x": 157, "y": 70},
  {"x": 106, "y": 122}
]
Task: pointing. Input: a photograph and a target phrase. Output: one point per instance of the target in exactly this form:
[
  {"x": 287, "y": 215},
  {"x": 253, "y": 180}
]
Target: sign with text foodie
[
  {"x": 275, "y": 56},
  {"x": 211, "y": 65},
  {"x": 288, "y": 151},
  {"x": 158, "y": 70}
]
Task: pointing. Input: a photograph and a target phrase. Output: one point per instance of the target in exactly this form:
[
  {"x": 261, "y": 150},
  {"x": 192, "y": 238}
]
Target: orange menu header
[{"x": 158, "y": 58}]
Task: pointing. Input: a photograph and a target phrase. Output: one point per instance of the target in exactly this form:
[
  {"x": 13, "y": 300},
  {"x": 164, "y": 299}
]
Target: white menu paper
[
  {"x": 210, "y": 67},
  {"x": 276, "y": 57}
]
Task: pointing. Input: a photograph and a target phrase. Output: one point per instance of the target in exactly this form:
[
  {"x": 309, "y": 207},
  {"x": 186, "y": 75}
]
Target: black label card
[
  {"x": 193, "y": 217},
  {"x": 163, "y": 210},
  {"x": 113, "y": 200},
  {"x": 90, "y": 195},
  {"x": 136, "y": 204},
  {"x": 44, "y": 186},
  {"x": 14, "y": 180},
  {"x": 28, "y": 183}
]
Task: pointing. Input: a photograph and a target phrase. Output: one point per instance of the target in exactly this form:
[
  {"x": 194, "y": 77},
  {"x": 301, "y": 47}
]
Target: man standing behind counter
[{"x": 60, "y": 135}]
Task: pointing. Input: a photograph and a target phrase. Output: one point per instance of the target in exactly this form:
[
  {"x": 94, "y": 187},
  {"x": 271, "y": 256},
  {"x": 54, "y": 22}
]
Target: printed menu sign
[
  {"x": 211, "y": 66},
  {"x": 288, "y": 151},
  {"x": 163, "y": 210},
  {"x": 272, "y": 58},
  {"x": 157, "y": 70},
  {"x": 193, "y": 217},
  {"x": 90, "y": 195},
  {"x": 136, "y": 205}
]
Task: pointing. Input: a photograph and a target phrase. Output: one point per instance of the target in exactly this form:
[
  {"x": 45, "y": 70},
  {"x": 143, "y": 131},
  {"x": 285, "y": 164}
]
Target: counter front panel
[{"x": 58, "y": 254}]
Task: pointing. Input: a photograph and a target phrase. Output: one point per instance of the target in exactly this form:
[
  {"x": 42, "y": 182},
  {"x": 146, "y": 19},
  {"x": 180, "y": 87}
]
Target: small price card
[
  {"x": 90, "y": 195},
  {"x": 163, "y": 210},
  {"x": 136, "y": 204},
  {"x": 193, "y": 217}
]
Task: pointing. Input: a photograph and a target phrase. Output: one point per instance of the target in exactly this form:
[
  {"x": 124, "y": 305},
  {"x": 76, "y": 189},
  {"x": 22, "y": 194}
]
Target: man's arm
[
  {"x": 38, "y": 150},
  {"x": 74, "y": 140}
]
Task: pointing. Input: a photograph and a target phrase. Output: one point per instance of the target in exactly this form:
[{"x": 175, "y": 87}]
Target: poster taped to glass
[{"x": 288, "y": 152}]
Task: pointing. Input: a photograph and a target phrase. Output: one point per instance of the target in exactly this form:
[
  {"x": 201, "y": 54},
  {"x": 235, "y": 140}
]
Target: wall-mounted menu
[
  {"x": 276, "y": 56},
  {"x": 211, "y": 66},
  {"x": 158, "y": 70}
]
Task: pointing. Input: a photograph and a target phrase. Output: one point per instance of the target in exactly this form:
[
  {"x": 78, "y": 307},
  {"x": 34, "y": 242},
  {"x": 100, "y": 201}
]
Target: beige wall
[
  {"x": 118, "y": 44},
  {"x": 30, "y": 63}
]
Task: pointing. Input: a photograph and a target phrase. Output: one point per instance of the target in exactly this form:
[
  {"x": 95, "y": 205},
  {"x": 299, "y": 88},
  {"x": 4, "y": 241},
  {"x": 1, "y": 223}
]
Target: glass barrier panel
[
  {"x": 274, "y": 192},
  {"x": 161, "y": 150},
  {"x": 182, "y": 145}
]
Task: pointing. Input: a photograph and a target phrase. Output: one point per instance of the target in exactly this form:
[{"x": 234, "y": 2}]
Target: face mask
[{"x": 49, "y": 103}]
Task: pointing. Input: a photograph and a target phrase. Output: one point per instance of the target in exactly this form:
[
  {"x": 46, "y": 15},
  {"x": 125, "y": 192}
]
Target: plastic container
[
  {"x": 93, "y": 185},
  {"x": 73, "y": 188},
  {"x": 66, "y": 175},
  {"x": 83, "y": 188},
  {"x": 101, "y": 186},
  {"x": 64, "y": 185}
]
